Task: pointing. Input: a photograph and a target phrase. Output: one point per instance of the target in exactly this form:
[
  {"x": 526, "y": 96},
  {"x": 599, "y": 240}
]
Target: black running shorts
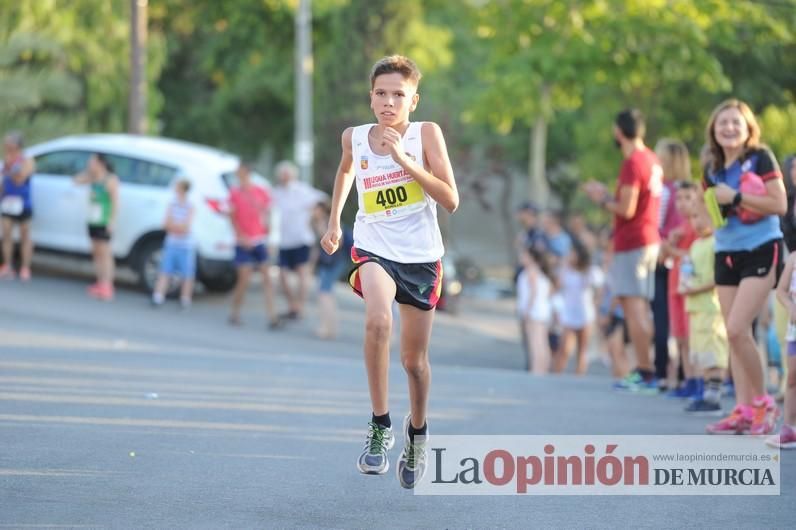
[
  {"x": 734, "y": 266},
  {"x": 416, "y": 284}
]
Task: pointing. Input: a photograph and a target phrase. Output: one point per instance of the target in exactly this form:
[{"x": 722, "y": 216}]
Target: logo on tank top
[
  {"x": 410, "y": 155},
  {"x": 363, "y": 162}
]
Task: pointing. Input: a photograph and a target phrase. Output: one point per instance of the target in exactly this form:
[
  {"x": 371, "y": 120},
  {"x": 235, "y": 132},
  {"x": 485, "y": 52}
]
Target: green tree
[
  {"x": 93, "y": 39},
  {"x": 228, "y": 81},
  {"x": 561, "y": 70},
  {"x": 38, "y": 95}
]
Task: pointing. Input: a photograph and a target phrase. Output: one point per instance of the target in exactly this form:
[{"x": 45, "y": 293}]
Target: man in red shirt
[
  {"x": 250, "y": 207},
  {"x": 636, "y": 208}
]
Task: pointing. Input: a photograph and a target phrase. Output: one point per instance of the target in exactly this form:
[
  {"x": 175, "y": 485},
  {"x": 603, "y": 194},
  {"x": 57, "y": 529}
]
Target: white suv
[{"x": 147, "y": 168}]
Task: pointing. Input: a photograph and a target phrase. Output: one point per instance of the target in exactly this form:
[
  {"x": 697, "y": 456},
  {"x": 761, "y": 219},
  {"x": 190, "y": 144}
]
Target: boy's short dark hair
[
  {"x": 185, "y": 184},
  {"x": 631, "y": 123},
  {"x": 396, "y": 64}
]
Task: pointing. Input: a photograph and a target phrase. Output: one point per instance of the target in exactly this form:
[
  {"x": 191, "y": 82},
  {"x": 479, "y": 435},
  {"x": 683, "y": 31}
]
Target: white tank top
[
  {"x": 179, "y": 213},
  {"x": 396, "y": 220}
]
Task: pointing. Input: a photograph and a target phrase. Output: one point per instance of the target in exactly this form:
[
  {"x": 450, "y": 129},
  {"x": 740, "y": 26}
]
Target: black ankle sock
[
  {"x": 383, "y": 420},
  {"x": 422, "y": 431}
]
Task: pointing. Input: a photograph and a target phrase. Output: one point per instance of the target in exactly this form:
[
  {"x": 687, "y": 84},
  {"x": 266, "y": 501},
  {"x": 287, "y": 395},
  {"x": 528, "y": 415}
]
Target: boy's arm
[
  {"x": 183, "y": 227},
  {"x": 167, "y": 220},
  {"x": 691, "y": 291},
  {"x": 239, "y": 239},
  {"x": 342, "y": 187},
  {"x": 186, "y": 226},
  {"x": 707, "y": 273},
  {"x": 439, "y": 182}
]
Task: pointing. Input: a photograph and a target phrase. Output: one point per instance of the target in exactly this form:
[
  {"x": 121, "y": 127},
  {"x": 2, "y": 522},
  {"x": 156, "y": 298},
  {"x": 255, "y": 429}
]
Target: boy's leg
[
  {"x": 415, "y": 337},
  {"x": 378, "y": 291},
  {"x": 303, "y": 272},
  {"x": 159, "y": 293},
  {"x": 186, "y": 291},
  {"x": 188, "y": 270},
  {"x": 285, "y": 268},
  {"x": 244, "y": 273},
  {"x": 268, "y": 293}
]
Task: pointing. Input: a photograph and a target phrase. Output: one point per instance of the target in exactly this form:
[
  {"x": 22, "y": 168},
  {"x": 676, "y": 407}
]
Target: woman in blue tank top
[{"x": 16, "y": 205}]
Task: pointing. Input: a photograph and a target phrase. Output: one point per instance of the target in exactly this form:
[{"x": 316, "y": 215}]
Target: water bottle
[{"x": 686, "y": 273}]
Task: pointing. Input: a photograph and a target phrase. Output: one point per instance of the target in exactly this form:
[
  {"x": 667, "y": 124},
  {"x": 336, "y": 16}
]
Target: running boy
[{"x": 402, "y": 171}]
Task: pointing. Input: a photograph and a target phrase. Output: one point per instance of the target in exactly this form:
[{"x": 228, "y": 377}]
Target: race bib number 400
[
  {"x": 394, "y": 201},
  {"x": 12, "y": 205}
]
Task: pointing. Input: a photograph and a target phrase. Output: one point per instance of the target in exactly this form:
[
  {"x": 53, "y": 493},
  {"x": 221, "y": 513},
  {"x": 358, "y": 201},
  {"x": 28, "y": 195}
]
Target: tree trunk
[
  {"x": 138, "y": 81},
  {"x": 538, "y": 189},
  {"x": 304, "y": 150}
]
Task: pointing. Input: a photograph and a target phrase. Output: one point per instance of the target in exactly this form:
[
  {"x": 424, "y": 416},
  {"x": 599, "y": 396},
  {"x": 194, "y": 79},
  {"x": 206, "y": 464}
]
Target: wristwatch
[{"x": 736, "y": 201}]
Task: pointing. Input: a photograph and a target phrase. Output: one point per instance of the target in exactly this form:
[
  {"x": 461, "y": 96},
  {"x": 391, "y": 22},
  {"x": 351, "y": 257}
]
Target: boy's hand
[
  {"x": 330, "y": 241},
  {"x": 392, "y": 140}
]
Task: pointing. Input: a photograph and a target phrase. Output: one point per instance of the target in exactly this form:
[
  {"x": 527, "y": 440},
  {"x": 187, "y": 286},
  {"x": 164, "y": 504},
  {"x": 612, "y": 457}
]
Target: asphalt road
[{"x": 120, "y": 415}]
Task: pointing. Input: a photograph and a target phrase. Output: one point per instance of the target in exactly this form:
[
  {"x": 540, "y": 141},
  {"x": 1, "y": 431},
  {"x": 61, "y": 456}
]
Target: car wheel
[
  {"x": 221, "y": 283},
  {"x": 146, "y": 263}
]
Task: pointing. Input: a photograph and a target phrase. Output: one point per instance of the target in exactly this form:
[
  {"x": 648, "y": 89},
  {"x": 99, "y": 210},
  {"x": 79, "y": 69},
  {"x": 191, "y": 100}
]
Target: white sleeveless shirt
[{"x": 396, "y": 220}]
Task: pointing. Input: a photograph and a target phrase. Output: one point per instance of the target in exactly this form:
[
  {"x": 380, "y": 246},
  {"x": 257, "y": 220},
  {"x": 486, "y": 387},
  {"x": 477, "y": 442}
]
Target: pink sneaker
[
  {"x": 737, "y": 422},
  {"x": 786, "y": 439},
  {"x": 24, "y": 274},
  {"x": 765, "y": 416},
  {"x": 104, "y": 292},
  {"x": 6, "y": 272}
]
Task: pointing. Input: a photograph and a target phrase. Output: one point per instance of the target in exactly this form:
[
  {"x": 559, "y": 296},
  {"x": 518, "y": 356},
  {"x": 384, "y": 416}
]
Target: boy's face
[
  {"x": 700, "y": 221},
  {"x": 393, "y": 98},
  {"x": 682, "y": 201}
]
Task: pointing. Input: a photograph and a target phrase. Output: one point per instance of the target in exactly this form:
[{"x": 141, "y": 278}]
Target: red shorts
[{"x": 678, "y": 318}]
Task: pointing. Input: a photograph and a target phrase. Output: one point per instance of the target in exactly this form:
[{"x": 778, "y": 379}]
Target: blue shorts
[
  {"x": 292, "y": 258},
  {"x": 178, "y": 260},
  {"x": 328, "y": 274},
  {"x": 256, "y": 255}
]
